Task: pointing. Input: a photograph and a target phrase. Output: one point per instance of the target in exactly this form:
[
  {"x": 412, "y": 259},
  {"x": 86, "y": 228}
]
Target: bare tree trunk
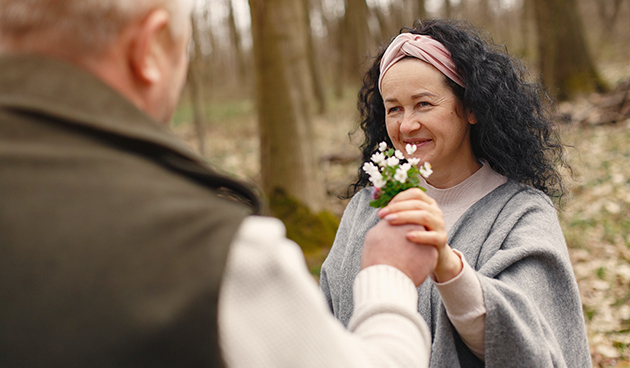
[
  {"x": 318, "y": 87},
  {"x": 283, "y": 90},
  {"x": 485, "y": 18},
  {"x": 408, "y": 12},
  {"x": 458, "y": 8},
  {"x": 397, "y": 13},
  {"x": 528, "y": 30},
  {"x": 338, "y": 56},
  {"x": 333, "y": 60},
  {"x": 384, "y": 25},
  {"x": 212, "y": 62},
  {"x": 235, "y": 37},
  {"x": 448, "y": 9},
  {"x": 608, "y": 11},
  {"x": 195, "y": 83},
  {"x": 422, "y": 11},
  {"x": 355, "y": 36},
  {"x": 566, "y": 66}
]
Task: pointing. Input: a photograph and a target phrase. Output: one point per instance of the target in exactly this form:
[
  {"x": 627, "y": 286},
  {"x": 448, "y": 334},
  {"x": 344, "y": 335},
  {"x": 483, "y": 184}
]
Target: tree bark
[
  {"x": 355, "y": 39},
  {"x": 448, "y": 9},
  {"x": 422, "y": 11},
  {"x": 338, "y": 56},
  {"x": 485, "y": 17},
  {"x": 195, "y": 83},
  {"x": 212, "y": 62},
  {"x": 565, "y": 63},
  {"x": 318, "y": 87},
  {"x": 528, "y": 30},
  {"x": 235, "y": 37},
  {"x": 608, "y": 12},
  {"x": 283, "y": 89},
  {"x": 384, "y": 25},
  {"x": 397, "y": 14}
]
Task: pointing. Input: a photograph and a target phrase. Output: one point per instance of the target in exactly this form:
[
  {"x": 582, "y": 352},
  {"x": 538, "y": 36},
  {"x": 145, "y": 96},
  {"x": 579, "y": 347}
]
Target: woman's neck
[{"x": 443, "y": 178}]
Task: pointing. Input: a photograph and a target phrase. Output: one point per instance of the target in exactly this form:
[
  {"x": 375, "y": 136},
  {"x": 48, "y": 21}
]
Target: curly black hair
[{"x": 514, "y": 132}]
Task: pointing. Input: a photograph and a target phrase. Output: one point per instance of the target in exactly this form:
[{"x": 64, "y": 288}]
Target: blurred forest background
[{"x": 271, "y": 99}]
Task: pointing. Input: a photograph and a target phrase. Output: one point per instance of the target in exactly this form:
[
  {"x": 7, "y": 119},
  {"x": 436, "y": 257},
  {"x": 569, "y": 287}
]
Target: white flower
[
  {"x": 370, "y": 168},
  {"x": 411, "y": 148},
  {"x": 413, "y": 161},
  {"x": 425, "y": 170},
  {"x": 399, "y": 155},
  {"x": 392, "y": 161},
  {"x": 401, "y": 172},
  {"x": 379, "y": 158},
  {"x": 382, "y": 146},
  {"x": 375, "y": 175},
  {"x": 401, "y": 175},
  {"x": 405, "y": 167},
  {"x": 378, "y": 181}
]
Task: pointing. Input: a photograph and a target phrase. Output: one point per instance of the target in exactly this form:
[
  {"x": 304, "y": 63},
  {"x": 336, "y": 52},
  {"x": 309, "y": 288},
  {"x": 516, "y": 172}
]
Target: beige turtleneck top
[{"x": 462, "y": 296}]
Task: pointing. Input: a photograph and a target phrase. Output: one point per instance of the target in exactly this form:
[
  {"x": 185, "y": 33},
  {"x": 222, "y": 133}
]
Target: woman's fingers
[
  {"x": 434, "y": 238},
  {"x": 431, "y": 220},
  {"x": 408, "y": 205},
  {"x": 415, "y": 207},
  {"x": 412, "y": 194},
  {"x": 410, "y": 199}
]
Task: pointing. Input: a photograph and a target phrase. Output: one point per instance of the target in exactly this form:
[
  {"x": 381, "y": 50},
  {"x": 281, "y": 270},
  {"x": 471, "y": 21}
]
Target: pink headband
[{"x": 421, "y": 47}]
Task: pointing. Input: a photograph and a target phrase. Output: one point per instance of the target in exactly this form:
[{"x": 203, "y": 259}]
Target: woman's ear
[{"x": 472, "y": 118}]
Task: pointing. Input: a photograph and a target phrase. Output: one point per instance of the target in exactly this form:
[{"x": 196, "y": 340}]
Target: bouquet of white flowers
[{"x": 390, "y": 177}]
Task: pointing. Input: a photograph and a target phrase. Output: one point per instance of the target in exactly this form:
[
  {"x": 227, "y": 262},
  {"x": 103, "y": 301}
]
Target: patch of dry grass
[{"x": 596, "y": 225}]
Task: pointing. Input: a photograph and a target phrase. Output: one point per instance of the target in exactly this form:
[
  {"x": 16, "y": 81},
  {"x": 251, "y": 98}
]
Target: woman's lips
[{"x": 418, "y": 142}]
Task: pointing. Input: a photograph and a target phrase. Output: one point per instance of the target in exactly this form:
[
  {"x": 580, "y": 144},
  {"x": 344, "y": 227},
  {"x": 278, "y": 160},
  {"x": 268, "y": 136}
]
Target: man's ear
[{"x": 147, "y": 51}]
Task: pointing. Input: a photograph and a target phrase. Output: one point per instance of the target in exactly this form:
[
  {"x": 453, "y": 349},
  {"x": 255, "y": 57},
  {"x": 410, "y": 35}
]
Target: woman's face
[{"x": 421, "y": 110}]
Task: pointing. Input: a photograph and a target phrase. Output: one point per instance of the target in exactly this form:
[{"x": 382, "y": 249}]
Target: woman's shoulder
[
  {"x": 359, "y": 216},
  {"x": 515, "y": 194},
  {"x": 505, "y": 206},
  {"x": 360, "y": 201},
  {"x": 363, "y": 194},
  {"x": 517, "y": 205}
]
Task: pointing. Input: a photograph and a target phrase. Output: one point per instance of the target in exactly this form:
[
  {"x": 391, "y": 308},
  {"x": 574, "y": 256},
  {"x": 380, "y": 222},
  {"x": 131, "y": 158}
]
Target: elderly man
[{"x": 120, "y": 248}]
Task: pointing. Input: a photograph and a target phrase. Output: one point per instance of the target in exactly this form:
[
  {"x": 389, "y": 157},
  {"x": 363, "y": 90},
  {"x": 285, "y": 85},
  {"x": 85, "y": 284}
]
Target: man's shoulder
[{"x": 136, "y": 177}]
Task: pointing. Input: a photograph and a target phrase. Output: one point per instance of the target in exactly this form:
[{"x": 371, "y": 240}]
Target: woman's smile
[{"x": 418, "y": 142}]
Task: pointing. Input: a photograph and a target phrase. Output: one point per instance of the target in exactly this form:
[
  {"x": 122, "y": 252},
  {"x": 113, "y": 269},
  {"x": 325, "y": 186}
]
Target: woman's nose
[{"x": 409, "y": 123}]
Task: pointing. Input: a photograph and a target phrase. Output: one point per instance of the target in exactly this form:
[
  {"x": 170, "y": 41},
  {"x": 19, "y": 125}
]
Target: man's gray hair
[{"x": 82, "y": 25}]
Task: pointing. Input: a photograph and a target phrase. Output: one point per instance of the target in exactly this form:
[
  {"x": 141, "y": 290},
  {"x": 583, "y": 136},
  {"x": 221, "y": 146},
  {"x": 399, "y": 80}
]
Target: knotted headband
[{"x": 421, "y": 47}]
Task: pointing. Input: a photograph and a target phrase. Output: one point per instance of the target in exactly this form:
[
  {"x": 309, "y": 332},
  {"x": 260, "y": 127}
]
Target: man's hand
[
  {"x": 415, "y": 207},
  {"x": 387, "y": 244}
]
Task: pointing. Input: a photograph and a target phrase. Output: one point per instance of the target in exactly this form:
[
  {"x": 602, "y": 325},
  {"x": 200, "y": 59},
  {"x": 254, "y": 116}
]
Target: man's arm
[{"x": 272, "y": 314}]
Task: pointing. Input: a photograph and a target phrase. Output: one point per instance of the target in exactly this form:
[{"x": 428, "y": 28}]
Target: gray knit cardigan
[{"x": 512, "y": 238}]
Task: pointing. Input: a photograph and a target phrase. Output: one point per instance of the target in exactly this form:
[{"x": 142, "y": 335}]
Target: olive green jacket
[{"x": 113, "y": 236}]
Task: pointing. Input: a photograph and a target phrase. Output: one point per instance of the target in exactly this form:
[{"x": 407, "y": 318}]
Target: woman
[{"x": 503, "y": 292}]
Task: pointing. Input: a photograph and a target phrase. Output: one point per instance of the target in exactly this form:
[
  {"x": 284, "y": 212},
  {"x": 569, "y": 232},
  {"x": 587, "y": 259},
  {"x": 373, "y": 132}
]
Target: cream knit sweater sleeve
[{"x": 272, "y": 313}]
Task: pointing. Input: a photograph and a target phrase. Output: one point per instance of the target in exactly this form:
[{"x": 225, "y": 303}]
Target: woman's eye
[
  {"x": 423, "y": 103},
  {"x": 393, "y": 110}
]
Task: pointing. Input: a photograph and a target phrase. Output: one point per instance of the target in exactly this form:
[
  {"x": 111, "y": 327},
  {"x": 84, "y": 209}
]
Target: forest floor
[
  {"x": 597, "y": 229},
  {"x": 594, "y": 217}
]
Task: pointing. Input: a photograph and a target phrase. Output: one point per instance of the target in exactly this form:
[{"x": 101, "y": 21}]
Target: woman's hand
[{"x": 414, "y": 206}]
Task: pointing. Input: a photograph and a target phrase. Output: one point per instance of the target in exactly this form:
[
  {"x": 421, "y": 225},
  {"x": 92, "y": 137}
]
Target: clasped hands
[{"x": 412, "y": 238}]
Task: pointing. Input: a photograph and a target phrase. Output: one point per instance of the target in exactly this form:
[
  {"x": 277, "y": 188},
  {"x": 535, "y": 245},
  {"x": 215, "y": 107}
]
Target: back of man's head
[
  {"x": 137, "y": 47},
  {"x": 70, "y": 28}
]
